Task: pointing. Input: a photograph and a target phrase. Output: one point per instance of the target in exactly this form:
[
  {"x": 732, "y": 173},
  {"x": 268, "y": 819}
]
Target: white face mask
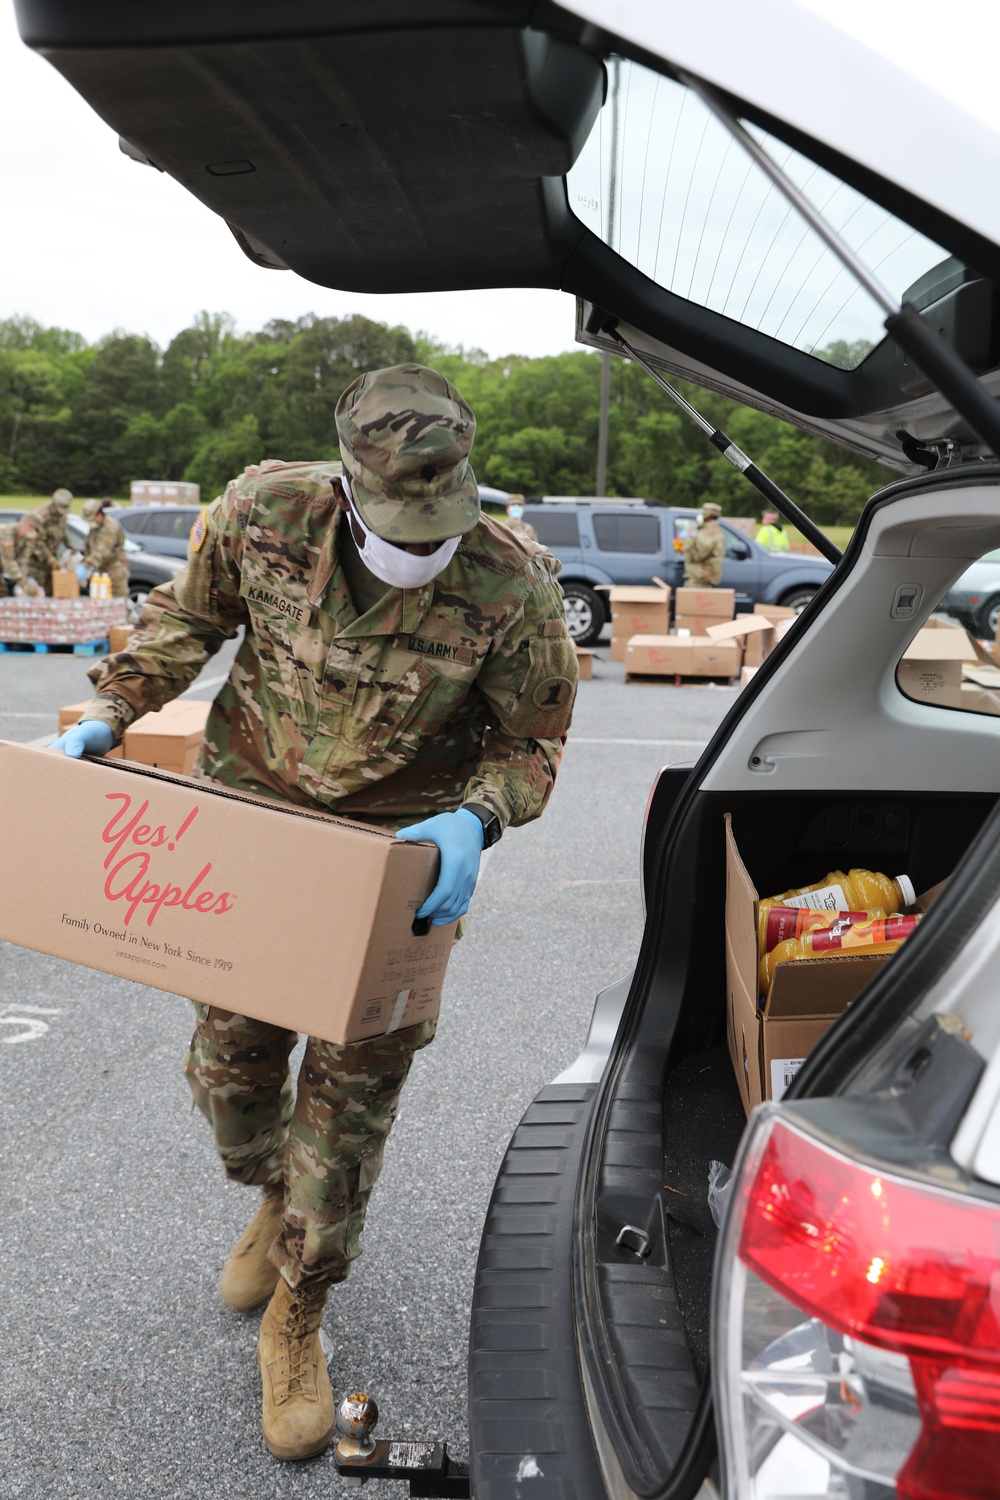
[{"x": 393, "y": 565}]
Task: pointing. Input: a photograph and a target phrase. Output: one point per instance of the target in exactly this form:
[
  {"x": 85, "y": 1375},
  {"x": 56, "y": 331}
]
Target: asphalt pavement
[{"x": 120, "y": 1372}]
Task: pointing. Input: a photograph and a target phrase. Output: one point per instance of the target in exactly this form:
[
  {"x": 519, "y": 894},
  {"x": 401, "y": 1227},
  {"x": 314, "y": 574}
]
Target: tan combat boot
[
  {"x": 297, "y": 1418},
  {"x": 248, "y": 1277}
]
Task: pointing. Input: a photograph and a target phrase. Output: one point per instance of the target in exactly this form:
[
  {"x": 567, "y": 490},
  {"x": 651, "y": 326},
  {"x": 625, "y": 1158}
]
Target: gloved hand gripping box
[{"x": 290, "y": 916}]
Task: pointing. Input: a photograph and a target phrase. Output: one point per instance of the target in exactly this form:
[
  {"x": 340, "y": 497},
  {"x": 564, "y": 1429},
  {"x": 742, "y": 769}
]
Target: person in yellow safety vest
[{"x": 770, "y": 533}]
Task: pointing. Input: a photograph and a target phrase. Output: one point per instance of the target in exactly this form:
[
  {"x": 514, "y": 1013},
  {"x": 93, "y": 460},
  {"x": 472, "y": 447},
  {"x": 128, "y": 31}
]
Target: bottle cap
[{"x": 906, "y": 886}]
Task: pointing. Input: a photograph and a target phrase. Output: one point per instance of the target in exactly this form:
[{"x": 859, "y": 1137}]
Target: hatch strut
[
  {"x": 931, "y": 354},
  {"x": 600, "y": 322}
]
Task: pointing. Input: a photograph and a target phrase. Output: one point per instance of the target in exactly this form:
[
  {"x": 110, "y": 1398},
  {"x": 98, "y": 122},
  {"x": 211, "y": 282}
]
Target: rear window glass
[
  {"x": 627, "y": 533},
  {"x": 555, "y": 528},
  {"x": 954, "y": 661},
  {"x": 173, "y": 523},
  {"x": 662, "y": 182}
]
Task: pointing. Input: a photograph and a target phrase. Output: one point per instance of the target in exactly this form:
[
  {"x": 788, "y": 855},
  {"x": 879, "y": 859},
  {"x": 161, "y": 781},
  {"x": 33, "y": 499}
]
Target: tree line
[{"x": 95, "y": 416}]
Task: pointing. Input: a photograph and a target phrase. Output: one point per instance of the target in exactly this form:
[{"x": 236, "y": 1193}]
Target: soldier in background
[
  {"x": 14, "y": 579},
  {"x": 771, "y": 533},
  {"x": 405, "y": 662},
  {"x": 41, "y": 535},
  {"x": 705, "y": 550},
  {"x": 515, "y": 518},
  {"x": 104, "y": 551}
]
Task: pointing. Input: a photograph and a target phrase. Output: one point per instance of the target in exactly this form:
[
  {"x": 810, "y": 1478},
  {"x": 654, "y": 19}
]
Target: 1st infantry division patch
[{"x": 199, "y": 531}]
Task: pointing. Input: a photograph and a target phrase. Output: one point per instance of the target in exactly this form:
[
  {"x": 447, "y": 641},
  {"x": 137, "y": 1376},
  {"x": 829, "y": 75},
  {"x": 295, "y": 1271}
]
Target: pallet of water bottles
[{"x": 81, "y": 625}]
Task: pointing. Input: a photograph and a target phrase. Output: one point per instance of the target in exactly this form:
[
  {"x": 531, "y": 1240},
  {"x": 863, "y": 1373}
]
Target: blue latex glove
[
  {"x": 459, "y": 836},
  {"x": 81, "y": 572},
  {"x": 88, "y": 737}
]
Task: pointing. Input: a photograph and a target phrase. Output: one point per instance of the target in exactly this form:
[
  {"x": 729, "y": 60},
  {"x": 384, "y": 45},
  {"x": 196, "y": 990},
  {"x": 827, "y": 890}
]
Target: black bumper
[{"x": 529, "y": 1435}]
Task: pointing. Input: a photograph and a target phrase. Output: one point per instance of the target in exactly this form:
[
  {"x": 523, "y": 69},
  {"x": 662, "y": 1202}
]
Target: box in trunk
[{"x": 768, "y": 1044}]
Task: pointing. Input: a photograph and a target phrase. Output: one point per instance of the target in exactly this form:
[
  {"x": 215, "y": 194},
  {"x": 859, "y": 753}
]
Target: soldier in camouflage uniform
[
  {"x": 515, "y": 518},
  {"x": 705, "y": 550},
  {"x": 404, "y": 658},
  {"x": 40, "y": 535},
  {"x": 104, "y": 551},
  {"x": 14, "y": 579}
]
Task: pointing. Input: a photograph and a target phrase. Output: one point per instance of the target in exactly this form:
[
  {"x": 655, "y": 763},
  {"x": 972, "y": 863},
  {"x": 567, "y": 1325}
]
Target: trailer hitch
[{"x": 431, "y": 1474}]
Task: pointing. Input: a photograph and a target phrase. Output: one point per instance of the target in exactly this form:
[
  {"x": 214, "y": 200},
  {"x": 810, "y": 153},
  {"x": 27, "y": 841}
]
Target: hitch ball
[{"x": 357, "y": 1415}]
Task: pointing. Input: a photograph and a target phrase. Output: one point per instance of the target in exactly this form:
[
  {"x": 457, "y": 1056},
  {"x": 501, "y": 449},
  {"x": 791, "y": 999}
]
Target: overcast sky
[{"x": 93, "y": 241}]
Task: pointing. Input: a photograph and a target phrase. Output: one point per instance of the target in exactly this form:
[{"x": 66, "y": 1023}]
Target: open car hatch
[{"x": 464, "y": 143}]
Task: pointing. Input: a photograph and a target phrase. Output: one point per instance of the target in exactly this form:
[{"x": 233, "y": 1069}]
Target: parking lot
[{"x": 121, "y": 1372}]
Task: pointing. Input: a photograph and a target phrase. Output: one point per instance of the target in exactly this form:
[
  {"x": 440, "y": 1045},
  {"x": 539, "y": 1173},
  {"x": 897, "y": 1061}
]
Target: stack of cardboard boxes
[
  {"x": 638, "y": 611},
  {"x": 756, "y": 634},
  {"x": 706, "y": 641}
]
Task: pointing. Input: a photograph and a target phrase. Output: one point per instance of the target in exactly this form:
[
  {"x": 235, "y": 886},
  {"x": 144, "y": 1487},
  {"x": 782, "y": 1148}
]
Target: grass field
[
  {"x": 32, "y": 502},
  {"x": 841, "y": 535}
]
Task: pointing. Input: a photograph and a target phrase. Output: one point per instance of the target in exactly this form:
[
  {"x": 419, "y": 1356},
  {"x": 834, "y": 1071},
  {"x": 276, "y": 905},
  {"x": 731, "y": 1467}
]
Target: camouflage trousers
[{"x": 324, "y": 1138}]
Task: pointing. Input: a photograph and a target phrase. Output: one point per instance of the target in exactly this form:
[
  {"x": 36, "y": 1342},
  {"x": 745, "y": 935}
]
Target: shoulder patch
[{"x": 199, "y": 531}]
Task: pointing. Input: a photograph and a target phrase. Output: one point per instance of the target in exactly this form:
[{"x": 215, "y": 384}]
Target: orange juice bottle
[
  {"x": 859, "y": 890},
  {"x": 784, "y": 922},
  {"x": 885, "y": 934}
]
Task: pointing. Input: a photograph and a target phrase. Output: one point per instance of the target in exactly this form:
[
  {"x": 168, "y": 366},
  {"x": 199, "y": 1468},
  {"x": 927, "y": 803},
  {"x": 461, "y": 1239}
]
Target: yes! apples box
[{"x": 294, "y": 917}]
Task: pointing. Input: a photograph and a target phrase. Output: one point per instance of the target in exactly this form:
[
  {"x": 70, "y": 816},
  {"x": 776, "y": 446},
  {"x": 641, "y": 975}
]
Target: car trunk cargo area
[
  {"x": 676, "y": 1074},
  {"x": 784, "y": 841}
]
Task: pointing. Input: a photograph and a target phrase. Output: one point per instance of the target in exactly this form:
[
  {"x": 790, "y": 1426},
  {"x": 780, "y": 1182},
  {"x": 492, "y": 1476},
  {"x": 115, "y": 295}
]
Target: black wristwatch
[{"x": 492, "y": 827}]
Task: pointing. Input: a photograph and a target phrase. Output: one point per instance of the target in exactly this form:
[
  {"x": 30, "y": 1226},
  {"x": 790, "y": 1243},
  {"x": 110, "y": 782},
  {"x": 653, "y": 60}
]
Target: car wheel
[
  {"x": 798, "y": 599},
  {"x": 987, "y": 620},
  {"x": 137, "y": 596},
  {"x": 584, "y": 613}
]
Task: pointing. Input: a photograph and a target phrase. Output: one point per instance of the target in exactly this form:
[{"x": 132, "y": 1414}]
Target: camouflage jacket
[
  {"x": 9, "y": 565},
  {"x": 703, "y": 555},
  {"x": 522, "y": 528},
  {"x": 40, "y": 534},
  {"x": 459, "y": 691},
  {"x": 104, "y": 547}
]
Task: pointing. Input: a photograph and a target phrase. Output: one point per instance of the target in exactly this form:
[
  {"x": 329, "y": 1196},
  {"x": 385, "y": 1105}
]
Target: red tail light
[{"x": 895, "y": 1378}]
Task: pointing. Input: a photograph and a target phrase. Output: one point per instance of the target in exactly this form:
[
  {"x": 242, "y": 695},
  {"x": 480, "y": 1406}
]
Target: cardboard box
[
  {"x": 171, "y": 738},
  {"x": 695, "y": 624},
  {"x": 119, "y": 636},
  {"x": 720, "y": 604},
  {"x": 585, "y": 663},
  {"x": 934, "y": 663},
  {"x": 294, "y": 917},
  {"x": 775, "y": 612},
  {"x": 680, "y": 656},
  {"x": 637, "y": 611},
  {"x": 745, "y": 675},
  {"x": 768, "y": 1045},
  {"x": 65, "y": 585},
  {"x": 930, "y": 681},
  {"x": 754, "y": 633}
]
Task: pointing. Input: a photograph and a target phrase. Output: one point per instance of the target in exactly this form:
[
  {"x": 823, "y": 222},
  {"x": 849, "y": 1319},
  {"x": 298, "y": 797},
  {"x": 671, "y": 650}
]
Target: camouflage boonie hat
[
  {"x": 711, "y": 509},
  {"x": 405, "y": 438},
  {"x": 62, "y": 497}
]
